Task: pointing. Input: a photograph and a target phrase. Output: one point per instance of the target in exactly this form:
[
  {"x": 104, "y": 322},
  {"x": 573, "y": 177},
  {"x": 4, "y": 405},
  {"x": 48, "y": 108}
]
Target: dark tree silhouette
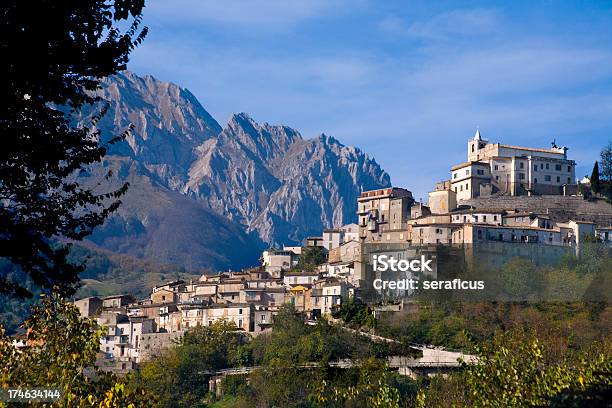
[
  {"x": 595, "y": 183},
  {"x": 53, "y": 55}
]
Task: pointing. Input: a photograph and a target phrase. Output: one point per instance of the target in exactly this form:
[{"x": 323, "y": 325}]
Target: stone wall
[{"x": 560, "y": 208}]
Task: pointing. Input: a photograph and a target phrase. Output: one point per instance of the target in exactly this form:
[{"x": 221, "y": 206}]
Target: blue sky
[{"x": 408, "y": 82}]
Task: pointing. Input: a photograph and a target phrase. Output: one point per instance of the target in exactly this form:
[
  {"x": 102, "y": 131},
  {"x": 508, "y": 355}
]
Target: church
[{"x": 495, "y": 168}]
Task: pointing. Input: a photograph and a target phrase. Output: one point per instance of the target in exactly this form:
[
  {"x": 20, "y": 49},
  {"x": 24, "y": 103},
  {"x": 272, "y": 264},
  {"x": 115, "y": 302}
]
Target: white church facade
[{"x": 495, "y": 168}]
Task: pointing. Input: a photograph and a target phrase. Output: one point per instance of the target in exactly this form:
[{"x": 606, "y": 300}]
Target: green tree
[
  {"x": 595, "y": 182},
  {"x": 180, "y": 375},
  {"x": 311, "y": 258},
  {"x": 606, "y": 162},
  {"x": 353, "y": 310},
  {"x": 512, "y": 372},
  {"x": 54, "y": 53},
  {"x": 373, "y": 388},
  {"x": 61, "y": 352}
]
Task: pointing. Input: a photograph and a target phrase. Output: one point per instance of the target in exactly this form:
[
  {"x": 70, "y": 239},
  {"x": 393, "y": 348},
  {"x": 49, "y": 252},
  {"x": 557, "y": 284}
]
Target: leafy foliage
[
  {"x": 373, "y": 388},
  {"x": 353, "y": 311},
  {"x": 311, "y": 258},
  {"x": 606, "y": 162},
  {"x": 180, "y": 376},
  {"x": 61, "y": 352},
  {"x": 70, "y": 46},
  {"x": 515, "y": 370}
]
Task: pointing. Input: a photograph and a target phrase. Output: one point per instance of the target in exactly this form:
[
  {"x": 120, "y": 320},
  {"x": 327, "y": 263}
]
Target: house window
[
  {"x": 521, "y": 176},
  {"x": 522, "y": 165},
  {"x": 547, "y": 166},
  {"x": 484, "y": 218},
  {"x": 547, "y": 177},
  {"x": 476, "y": 218},
  {"x": 467, "y": 172},
  {"x": 239, "y": 311},
  {"x": 541, "y": 166},
  {"x": 535, "y": 181},
  {"x": 495, "y": 218},
  {"x": 467, "y": 186},
  {"x": 569, "y": 180},
  {"x": 535, "y": 167},
  {"x": 558, "y": 179},
  {"x": 557, "y": 167},
  {"x": 495, "y": 167},
  {"x": 455, "y": 175},
  {"x": 569, "y": 169}
]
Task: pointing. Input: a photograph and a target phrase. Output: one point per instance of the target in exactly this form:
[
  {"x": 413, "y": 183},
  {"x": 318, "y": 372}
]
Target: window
[
  {"x": 480, "y": 172},
  {"x": 475, "y": 218},
  {"x": 558, "y": 179},
  {"x": 467, "y": 186},
  {"x": 438, "y": 231},
  {"x": 496, "y": 177},
  {"x": 484, "y": 218},
  {"x": 461, "y": 187},
  {"x": 239, "y": 311},
  {"x": 535, "y": 181},
  {"x": 495, "y": 167},
  {"x": 472, "y": 148},
  {"x": 522, "y": 165},
  {"x": 464, "y": 218},
  {"x": 455, "y": 175},
  {"x": 569, "y": 180},
  {"x": 495, "y": 218},
  {"x": 547, "y": 166},
  {"x": 467, "y": 172},
  {"x": 547, "y": 177},
  {"x": 521, "y": 176},
  {"x": 569, "y": 169},
  {"x": 557, "y": 167},
  {"x": 535, "y": 167},
  {"x": 455, "y": 189},
  {"x": 541, "y": 166}
]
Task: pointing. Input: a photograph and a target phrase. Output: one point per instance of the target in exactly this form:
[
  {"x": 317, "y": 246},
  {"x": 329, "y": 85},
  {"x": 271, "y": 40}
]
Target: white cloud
[{"x": 474, "y": 22}]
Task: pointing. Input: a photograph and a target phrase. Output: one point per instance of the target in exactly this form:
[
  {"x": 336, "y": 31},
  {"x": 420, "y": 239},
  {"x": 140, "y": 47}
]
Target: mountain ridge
[{"x": 263, "y": 183}]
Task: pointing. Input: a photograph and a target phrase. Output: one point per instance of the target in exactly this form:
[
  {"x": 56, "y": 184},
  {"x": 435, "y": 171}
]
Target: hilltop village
[{"x": 501, "y": 193}]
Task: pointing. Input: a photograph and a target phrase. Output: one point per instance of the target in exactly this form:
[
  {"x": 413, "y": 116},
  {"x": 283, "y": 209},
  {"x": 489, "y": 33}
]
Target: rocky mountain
[
  {"x": 169, "y": 124},
  {"x": 203, "y": 196}
]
